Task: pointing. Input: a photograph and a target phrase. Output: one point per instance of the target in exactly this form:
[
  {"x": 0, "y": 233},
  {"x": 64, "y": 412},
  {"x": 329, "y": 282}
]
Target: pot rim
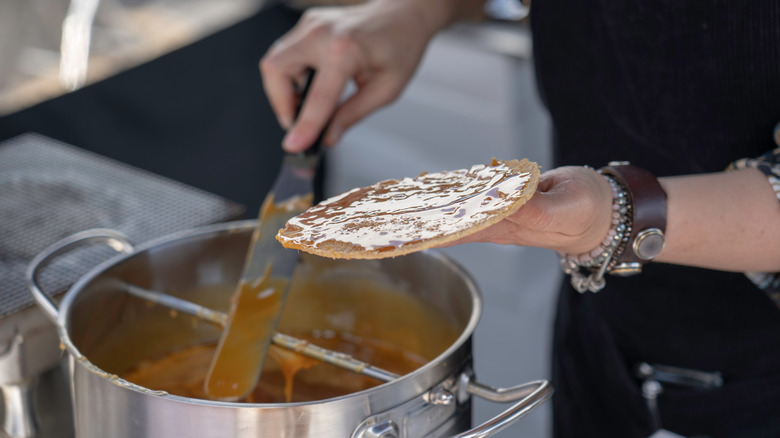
[{"x": 235, "y": 227}]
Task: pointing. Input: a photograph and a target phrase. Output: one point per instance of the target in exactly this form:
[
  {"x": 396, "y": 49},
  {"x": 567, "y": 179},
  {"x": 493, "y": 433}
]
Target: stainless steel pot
[{"x": 432, "y": 401}]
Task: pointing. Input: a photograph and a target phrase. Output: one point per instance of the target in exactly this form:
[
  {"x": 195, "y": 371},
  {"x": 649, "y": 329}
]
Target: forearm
[
  {"x": 438, "y": 14},
  {"x": 728, "y": 221}
]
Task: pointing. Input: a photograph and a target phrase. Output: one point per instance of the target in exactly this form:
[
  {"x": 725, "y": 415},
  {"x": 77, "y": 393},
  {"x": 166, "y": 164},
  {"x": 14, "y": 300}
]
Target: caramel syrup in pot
[
  {"x": 374, "y": 322},
  {"x": 287, "y": 376}
]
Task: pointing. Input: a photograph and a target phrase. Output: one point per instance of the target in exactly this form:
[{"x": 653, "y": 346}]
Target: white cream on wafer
[{"x": 396, "y": 217}]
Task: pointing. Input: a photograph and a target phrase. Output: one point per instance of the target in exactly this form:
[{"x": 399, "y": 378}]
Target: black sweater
[{"x": 676, "y": 87}]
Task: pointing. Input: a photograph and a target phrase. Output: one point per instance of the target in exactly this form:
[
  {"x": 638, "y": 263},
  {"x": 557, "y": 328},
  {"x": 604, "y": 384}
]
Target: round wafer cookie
[{"x": 397, "y": 217}]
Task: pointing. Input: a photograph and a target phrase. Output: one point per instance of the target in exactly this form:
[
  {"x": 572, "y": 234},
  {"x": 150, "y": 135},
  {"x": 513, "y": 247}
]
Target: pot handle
[
  {"x": 116, "y": 240},
  {"x": 531, "y": 395}
]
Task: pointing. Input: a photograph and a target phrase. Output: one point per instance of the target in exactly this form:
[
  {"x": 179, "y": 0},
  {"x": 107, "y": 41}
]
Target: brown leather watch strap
[{"x": 648, "y": 222}]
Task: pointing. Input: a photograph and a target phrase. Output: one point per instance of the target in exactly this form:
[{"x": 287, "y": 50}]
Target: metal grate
[{"x": 50, "y": 190}]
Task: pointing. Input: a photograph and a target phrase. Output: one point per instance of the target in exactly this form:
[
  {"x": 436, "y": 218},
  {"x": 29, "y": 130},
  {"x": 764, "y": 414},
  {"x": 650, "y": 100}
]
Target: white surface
[{"x": 467, "y": 105}]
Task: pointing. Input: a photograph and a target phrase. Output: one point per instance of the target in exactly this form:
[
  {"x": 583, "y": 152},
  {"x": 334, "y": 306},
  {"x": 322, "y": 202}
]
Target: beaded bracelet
[{"x": 598, "y": 261}]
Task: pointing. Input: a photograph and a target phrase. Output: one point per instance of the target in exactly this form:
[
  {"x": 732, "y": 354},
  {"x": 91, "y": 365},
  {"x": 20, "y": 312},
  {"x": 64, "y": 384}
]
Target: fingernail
[
  {"x": 293, "y": 142},
  {"x": 285, "y": 122}
]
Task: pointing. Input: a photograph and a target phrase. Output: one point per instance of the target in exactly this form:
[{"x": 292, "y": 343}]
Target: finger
[
  {"x": 503, "y": 232},
  {"x": 279, "y": 89},
  {"x": 283, "y": 66},
  {"x": 372, "y": 95},
  {"x": 321, "y": 102}
]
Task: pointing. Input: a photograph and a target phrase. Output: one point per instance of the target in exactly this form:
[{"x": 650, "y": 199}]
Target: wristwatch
[{"x": 648, "y": 219}]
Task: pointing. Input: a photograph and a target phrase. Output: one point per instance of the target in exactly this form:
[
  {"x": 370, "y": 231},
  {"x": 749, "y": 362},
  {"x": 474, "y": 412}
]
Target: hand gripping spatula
[{"x": 257, "y": 303}]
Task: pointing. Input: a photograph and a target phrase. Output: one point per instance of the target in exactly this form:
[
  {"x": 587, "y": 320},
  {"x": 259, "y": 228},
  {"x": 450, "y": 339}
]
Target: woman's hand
[
  {"x": 570, "y": 212},
  {"x": 707, "y": 218},
  {"x": 378, "y": 45}
]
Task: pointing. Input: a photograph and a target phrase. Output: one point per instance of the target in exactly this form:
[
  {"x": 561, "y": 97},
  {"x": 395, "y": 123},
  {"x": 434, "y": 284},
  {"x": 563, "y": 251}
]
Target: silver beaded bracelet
[{"x": 587, "y": 270}]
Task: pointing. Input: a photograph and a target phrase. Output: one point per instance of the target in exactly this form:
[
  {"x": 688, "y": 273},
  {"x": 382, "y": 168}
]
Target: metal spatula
[{"x": 258, "y": 301}]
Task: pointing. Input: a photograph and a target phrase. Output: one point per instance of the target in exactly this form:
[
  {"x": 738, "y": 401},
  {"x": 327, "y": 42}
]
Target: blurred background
[{"x": 171, "y": 87}]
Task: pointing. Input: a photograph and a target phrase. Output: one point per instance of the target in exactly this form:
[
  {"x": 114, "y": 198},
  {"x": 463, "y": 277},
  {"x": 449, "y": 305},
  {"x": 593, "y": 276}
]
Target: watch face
[{"x": 649, "y": 243}]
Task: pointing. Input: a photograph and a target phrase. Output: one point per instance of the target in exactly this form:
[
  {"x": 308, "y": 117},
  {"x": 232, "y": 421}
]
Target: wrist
[
  {"x": 637, "y": 229},
  {"x": 646, "y": 237},
  {"x": 602, "y": 215},
  {"x": 597, "y": 262}
]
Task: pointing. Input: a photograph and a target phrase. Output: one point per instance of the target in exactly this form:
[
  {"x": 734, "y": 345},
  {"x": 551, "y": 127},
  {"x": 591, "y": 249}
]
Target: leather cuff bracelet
[{"x": 648, "y": 217}]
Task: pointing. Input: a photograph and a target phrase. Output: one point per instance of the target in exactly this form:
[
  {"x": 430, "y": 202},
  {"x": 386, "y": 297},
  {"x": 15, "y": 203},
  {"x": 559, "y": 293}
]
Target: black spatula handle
[{"x": 316, "y": 147}]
